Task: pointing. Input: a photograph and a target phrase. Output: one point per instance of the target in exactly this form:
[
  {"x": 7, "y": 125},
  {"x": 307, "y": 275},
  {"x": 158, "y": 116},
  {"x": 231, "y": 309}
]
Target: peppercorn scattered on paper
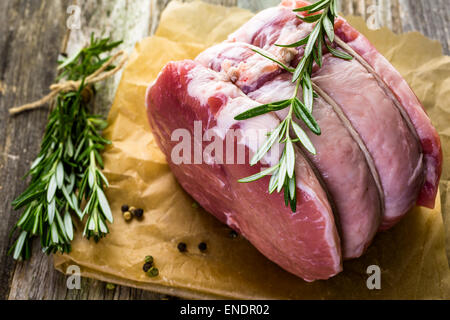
[{"x": 412, "y": 256}]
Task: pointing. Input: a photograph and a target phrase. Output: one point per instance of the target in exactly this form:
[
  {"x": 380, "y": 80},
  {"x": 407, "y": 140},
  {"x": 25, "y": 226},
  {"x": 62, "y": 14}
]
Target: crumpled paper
[{"x": 411, "y": 256}]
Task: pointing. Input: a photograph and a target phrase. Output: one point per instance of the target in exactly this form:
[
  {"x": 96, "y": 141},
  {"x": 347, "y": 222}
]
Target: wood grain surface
[{"x": 33, "y": 33}]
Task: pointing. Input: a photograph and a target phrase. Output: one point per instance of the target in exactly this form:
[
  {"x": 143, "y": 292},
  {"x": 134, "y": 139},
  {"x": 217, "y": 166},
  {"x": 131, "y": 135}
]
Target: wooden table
[{"x": 33, "y": 33}]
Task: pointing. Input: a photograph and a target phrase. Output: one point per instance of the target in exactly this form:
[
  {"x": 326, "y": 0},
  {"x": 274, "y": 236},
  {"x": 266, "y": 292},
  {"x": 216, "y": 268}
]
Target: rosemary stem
[{"x": 323, "y": 14}]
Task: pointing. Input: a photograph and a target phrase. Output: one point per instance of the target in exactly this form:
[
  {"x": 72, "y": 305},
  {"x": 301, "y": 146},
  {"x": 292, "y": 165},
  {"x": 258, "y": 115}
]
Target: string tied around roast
[{"x": 66, "y": 86}]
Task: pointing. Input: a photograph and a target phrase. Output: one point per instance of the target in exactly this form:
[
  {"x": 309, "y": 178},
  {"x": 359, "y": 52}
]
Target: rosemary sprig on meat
[
  {"x": 323, "y": 13},
  {"x": 68, "y": 167}
]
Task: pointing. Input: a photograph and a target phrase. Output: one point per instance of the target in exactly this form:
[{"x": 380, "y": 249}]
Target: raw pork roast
[{"x": 377, "y": 156}]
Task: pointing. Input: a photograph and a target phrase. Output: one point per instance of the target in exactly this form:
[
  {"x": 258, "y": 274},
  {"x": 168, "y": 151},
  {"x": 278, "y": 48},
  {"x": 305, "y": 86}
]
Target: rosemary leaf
[
  {"x": 263, "y": 109},
  {"x": 334, "y": 8},
  {"x": 266, "y": 146},
  {"x": 282, "y": 173},
  {"x": 294, "y": 45},
  {"x": 329, "y": 27},
  {"x": 285, "y": 67},
  {"x": 68, "y": 225},
  {"x": 312, "y": 6},
  {"x": 104, "y": 205},
  {"x": 259, "y": 175},
  {"x": 292, "y": 187},
  {"x": 307, "y": 92},
  {"x": 20, "y": 243},
  {"x": 298, "y": 73},
  {"x": 306, "y": 117},
  {"x": 319, "y": 52},
  {"x": 319, "y": 7},
  {"x": 312, "y": 40},
  {"x": 303, "y": 138},
  {"x": 274, "y": 181},
  {"x": 51, "y": 211},
  {"x": 338, "y": 53},
  {"x": 52, "y": 188},
  {"x": 290, "y": 158},
  {"x": 310, "y": 19},
  {"x": 293, "y": 193},
  {"x": 59, "y": 175},
  {"x": 286, "y": 193}
]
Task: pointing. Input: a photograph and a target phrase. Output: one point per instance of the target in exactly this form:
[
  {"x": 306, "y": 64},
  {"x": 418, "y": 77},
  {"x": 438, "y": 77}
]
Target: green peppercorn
[
  {"x": 195, "y": 205},
  {"x": 125, "y": 208},
  {"x": 110, "y": 286},
  {"x": 202, "y": 247},
  {"x": 149, "y": 259},
  {"x": 182, "y": 247},
  {"x": 138, "y": 213},
  {"x": 153, "y": 272}
]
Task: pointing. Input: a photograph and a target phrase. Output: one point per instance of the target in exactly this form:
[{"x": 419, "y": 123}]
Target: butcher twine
[{"x": 67, "y": 86}]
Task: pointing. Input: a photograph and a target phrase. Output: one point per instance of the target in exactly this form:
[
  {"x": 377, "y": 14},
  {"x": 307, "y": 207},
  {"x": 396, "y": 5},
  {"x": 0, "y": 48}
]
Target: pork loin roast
[{"x": 377, "y": 156}]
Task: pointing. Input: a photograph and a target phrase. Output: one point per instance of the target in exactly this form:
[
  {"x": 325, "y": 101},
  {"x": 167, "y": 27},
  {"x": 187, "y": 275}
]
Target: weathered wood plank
[
  {"x": 432, "y": 18},
  {"x": 377, "y": 13},
  {"x": 130, "y": 20},
  {"x": 30, "y": 37}
]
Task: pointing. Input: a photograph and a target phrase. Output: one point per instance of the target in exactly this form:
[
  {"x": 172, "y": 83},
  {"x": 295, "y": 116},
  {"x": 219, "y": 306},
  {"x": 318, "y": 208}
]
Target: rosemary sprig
[
  {"x": 93, "y": 181},
  {"x": 323, "y": 14},
  {"x": 67, "y": 170}
]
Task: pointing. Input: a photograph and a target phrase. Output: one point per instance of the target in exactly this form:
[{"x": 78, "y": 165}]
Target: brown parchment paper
[{"x": 411, "y": 256}]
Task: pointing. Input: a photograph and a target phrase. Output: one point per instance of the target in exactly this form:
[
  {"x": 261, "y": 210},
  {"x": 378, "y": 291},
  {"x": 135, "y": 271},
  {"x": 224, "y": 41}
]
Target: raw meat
[
  {"x": 305, "y": 243},
  {"x": 421, "y": 151},
  {"x": 377, "y": 156},
  {"x": 341, "y": 165}
]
